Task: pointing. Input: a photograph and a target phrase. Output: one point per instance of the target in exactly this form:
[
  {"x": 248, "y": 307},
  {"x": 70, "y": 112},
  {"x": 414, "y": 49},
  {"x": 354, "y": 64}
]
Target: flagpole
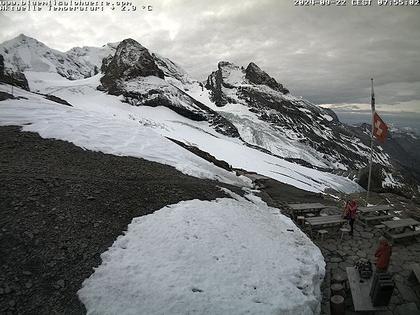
[{"x": 371, "y": 142}]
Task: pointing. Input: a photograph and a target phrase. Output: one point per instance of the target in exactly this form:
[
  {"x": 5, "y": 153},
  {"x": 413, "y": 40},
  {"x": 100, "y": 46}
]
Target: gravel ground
[{"x": 62, "y": 206}]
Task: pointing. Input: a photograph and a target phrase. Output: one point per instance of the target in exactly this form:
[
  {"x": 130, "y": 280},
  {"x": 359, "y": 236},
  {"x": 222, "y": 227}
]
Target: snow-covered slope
[
  {"x": 95, "y": 110},
  {"x": 91, "y": 125},
  {"x": 24, "y": 53},
  {"x": 240, "y": 103},
  {"x": 229, "y": 256},
  {"x": 268, "y": 116}
]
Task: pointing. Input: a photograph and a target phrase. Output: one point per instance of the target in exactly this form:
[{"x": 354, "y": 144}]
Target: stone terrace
[{"x": 341, "y": 254}]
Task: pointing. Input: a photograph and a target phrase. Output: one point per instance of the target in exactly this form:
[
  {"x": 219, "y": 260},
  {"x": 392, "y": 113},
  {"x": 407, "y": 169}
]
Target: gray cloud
[{"x": 326, "y": 54}]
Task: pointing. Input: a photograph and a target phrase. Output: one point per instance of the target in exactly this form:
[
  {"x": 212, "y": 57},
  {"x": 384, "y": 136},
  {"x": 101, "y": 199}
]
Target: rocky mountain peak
[
  {"x": 223, "y": 64},
  {"x": 129, "y": 47},
  {"x": 25, "y": 41},
  {"x": 131, "y": 60},
  {"x": 257, "y": 76},
  {"x": 23, "y": 38}
]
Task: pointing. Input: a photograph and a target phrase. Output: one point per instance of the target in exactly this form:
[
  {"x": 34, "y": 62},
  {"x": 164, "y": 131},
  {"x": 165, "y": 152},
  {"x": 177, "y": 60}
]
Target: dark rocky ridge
[
  {"x": 1, "y": 65},
  {"x": 215, "y": 83},
  {"x": 62, "y": 206},
  {"x": 57, "y": 100},
  {"x": 132, "y": 61},
  {"x": 255, "y": 75},
  {"x": 12, "y": 77}
]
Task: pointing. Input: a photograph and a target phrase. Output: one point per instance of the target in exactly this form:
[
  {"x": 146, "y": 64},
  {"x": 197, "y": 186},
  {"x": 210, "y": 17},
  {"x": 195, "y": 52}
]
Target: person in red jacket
[
  {"x": 350, "y": 211},
  {"x": 383, "y": 255}
]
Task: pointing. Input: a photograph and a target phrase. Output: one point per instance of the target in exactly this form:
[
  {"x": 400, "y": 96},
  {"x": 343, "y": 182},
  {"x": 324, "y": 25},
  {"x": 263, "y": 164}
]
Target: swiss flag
[{"x": 380, "y": 129}]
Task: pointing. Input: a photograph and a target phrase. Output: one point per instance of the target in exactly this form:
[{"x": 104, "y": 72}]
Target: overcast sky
[{"x": 325, "y": 54}]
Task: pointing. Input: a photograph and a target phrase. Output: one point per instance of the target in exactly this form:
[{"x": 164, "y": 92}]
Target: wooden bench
[
  {"x": 395, "y": 229},
  {"x": 324, "y": 222},
  {"x": 376, "y": 218},
  {"x": 403, "y": 235},
  {"x": 384, "y": 208},
  {"x": 374, "y": 213},
  {"x": 299, "y": 209}
]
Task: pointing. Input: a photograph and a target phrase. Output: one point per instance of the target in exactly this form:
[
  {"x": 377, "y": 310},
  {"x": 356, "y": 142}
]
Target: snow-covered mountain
[
  {"x": 269, "y": 117},
  {"x": 24, "y": 53},
  {"x": 146, "y": 79},
  {"x": 239, "y": 115}
]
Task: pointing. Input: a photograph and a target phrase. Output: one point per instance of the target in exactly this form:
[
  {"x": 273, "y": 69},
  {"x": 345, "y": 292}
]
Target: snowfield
[
  {"x": 99, "y": 132},
  {"x": 101, "y": 122},
  {"x": 228, "y": 256}
]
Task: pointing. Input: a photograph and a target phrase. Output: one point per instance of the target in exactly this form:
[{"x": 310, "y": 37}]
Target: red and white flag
[{"x": 380, "y": 129}]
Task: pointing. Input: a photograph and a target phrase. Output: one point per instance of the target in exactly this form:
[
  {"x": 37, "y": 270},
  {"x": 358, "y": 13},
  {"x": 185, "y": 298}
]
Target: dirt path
[{"x": 62, "y": 206}]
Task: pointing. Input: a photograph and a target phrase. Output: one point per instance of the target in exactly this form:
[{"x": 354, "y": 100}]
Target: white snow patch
[
  {"x": 327, "y": 117},
  {"x": 228, "y": 256}
]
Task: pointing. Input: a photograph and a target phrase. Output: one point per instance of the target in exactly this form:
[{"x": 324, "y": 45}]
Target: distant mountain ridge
[
  {"x": 24, "y": 53},
  {"x": 244, "y": 103}
]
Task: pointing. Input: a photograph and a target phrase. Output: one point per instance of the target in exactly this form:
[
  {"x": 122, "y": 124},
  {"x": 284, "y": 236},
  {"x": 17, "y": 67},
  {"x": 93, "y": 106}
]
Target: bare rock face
[
  {"x": 255, "y": 75},
  {"x": 229, "y": 76},
  {"x": 1, "y": 66},
  {"x": 16, "y": 79},
  {"x": 131, "y": 60},
  {"x": 12, "y": 77},
  {"x": 146, "y": 79}
]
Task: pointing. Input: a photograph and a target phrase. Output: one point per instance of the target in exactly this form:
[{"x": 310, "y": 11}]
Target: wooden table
[
  {"x": 395, "y": 224},
  {"x": 374, "y": 213},
  {"x": 378, "y": 208},
  {"x": 396, "y": 229},
  {"x": 304, "y": 208},
  {"x": 325, "y": 221},
  {"x": 360, "y": 292}
]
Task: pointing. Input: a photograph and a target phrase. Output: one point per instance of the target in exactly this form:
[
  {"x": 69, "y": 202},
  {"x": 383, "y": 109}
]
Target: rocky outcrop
[
  {"x": 230, "y": 76},
  {"x": 12, "y": 77},
  {"x": 1, "y": 66},
  {"x": 215, "y": 83},
  {"x": 17, "y": 79},
  {"x": 255, "y": 75},
  {"x": 131, "y": 60},
  {"x": 57, "y": 100},
  {"x": 205, "y": 155}
]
